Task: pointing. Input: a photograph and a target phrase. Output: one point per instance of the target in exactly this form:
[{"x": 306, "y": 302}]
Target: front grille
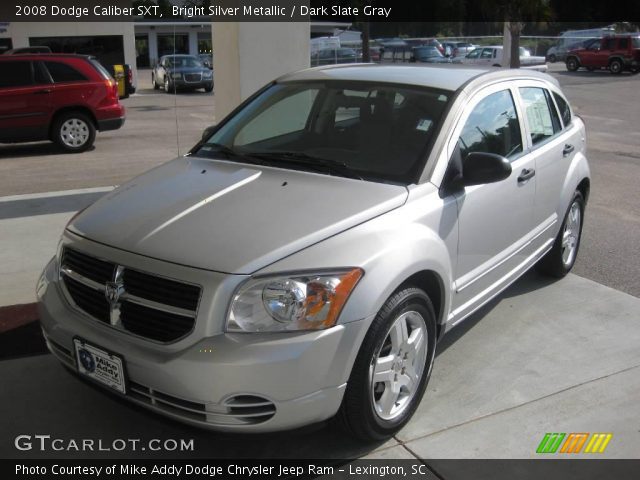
[
  {"x": 153, "y": 307},
  {"x": 192, "y": 77},
  {"x": 158, "y": 289},
  {"x": 87, "y": 266}
]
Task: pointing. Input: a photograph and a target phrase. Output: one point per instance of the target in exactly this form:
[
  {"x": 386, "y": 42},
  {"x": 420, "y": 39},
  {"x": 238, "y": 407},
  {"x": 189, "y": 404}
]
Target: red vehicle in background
[
  {"x": 616, "y": 53},
  {"x": 59, "y": 97}
]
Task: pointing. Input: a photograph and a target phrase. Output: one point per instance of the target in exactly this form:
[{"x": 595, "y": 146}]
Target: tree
[{"x": 515, "y": 13}]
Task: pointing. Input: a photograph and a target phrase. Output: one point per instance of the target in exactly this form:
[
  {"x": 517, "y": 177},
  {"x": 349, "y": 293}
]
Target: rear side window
[
  {"x": 61, "y": 72},
  {"x": 98, "y": 66},
  {"x": 540, "y": 114},
  {"x": 563, "y": 106},
  {"x": 492, "y": 127},
  {"x": 16, "y": 74},
  {"x": 635, "y": 41}
]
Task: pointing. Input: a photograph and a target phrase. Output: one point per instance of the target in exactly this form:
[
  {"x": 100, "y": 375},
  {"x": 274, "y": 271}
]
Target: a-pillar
[{"x": 248, "y": 55}]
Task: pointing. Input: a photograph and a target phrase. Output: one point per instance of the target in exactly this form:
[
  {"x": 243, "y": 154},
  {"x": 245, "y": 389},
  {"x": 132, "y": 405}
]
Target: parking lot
[{"x": 545, "y": 356}]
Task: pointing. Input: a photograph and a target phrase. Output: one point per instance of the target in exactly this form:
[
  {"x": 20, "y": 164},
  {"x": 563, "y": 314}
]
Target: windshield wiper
[
  {"x": 230, "y": 153},
  {"x": 305, "y": 160}
]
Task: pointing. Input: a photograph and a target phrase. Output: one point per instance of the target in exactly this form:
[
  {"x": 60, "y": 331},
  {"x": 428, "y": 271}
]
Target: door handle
[
  {"x": 43, "y": 91},
  {"x": 567, "y": 149},
  {"x": 526, "y": 174}
]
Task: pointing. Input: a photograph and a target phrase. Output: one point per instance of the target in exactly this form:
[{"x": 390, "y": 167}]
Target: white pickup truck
[{"x": 492, "y": 56}]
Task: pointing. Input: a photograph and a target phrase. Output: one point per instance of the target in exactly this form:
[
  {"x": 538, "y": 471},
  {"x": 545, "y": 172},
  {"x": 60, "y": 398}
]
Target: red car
[
  {"x": 63, "y": 98},
  {"x": 616, "y": 53}
]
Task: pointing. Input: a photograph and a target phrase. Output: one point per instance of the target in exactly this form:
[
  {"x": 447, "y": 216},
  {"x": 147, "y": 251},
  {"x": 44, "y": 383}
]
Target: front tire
[
  {"x": 392, "y": 368},
  {"x": 74, "y": 131},
  {"x": 168, "y": 88},
  {"x": 552, "y": 58},
  {"x": 572, "y": 64},
  {"x": 560, "y": 259},
  {"x": 153, "y": 81},
  {"x": 616, "y": 66}
]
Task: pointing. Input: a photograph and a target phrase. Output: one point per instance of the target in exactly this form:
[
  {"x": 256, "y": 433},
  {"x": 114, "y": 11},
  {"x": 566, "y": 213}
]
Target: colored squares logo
[{"x": 574, "y": 443}]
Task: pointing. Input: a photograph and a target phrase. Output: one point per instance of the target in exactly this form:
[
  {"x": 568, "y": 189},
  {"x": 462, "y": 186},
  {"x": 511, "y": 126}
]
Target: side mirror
[
  {"x": 479, "y": 168},
  {"x": 208, "y": 132}
]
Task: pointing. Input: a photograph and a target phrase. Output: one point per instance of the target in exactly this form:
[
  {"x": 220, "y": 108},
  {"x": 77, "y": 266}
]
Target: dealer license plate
[{"x": 101, "y": 366}]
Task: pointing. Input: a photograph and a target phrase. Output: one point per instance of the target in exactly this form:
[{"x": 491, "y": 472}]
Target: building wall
[
  {"x": 19, "y": 32},
  {"x": 248, "y": 55}
]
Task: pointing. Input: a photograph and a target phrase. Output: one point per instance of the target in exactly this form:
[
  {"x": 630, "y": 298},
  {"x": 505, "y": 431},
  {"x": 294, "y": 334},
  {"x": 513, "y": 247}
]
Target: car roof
[
  {"x": 450, "y": 77},
  {"x": 32, "y": 56}
]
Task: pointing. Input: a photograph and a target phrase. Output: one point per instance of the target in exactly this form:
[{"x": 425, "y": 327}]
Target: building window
[
  {"x": 205, "y": 44},
  {"x": 169, "y": 44},
  {"x": 109, "y": 49}
]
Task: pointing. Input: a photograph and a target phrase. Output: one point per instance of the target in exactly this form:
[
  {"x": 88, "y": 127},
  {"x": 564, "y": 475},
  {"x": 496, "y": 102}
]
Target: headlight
[
  {"x": 207, "y": 74},
  {"x": 293, "y": 302},
  {"x": 175, "y": 75}
]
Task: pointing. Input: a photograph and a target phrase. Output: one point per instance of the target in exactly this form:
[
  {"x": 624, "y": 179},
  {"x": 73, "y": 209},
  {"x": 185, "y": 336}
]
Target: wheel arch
[
  {"x": 71, "y": 108},
  {"x": 432, "y": 284}
]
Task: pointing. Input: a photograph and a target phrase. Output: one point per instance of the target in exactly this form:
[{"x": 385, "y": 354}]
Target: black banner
[
  {"x": 327, "y": 469},
  {"x": 198, "y": 11}
]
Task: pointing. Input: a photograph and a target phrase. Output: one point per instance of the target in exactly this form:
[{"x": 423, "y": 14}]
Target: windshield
[
  {"x": 428, "y": 52},
  {"x": 374, "y": 132},
  {"x": 178, "y": 62}
]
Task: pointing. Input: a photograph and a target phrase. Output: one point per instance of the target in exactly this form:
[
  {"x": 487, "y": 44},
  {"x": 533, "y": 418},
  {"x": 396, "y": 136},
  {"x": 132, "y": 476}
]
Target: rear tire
[
  {"x": 560, "y": 259},
  {"x": 398, "y": 350},
  {"x": 552, "y": 58},
  {"x": 572, "y": 64},
  {"x": 73, "y": 131}
]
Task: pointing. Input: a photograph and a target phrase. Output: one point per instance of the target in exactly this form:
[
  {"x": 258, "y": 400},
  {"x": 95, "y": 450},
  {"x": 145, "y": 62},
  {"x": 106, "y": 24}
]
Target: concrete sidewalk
[
  {"x": 30, "y": 227},
  {"x": 546, "y": 356}
]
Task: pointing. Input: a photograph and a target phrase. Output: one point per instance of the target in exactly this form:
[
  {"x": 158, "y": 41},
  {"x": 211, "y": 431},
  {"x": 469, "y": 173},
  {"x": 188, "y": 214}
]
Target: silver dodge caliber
[{"x": 302, "y": 261}]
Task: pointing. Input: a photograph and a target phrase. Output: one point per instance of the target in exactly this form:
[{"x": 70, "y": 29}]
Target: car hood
[{"x": 230, "y": 217}]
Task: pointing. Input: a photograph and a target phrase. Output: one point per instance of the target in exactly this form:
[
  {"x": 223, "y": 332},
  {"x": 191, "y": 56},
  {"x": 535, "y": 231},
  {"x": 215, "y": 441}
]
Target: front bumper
[
  {"x": 227, "y": 382},
  {"x": 182, "y": 83}
]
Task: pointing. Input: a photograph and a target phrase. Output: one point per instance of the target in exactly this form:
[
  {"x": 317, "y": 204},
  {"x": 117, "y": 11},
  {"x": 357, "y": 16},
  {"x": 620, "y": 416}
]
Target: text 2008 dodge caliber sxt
[{"x": 303, "y": 260}]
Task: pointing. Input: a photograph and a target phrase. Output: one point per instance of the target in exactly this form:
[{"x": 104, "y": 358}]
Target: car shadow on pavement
[
  {"x": 529, "y": 282},
  {"x": 18, "y": 150}
]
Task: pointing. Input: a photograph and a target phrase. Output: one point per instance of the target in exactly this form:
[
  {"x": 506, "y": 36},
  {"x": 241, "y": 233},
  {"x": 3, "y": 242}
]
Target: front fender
[{"x": 416, "y": 237}]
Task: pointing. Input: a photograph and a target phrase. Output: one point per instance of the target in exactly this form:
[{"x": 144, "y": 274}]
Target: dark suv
[
  {"x": 63, "y": 98},
  {"x": 617, "y": 53}
]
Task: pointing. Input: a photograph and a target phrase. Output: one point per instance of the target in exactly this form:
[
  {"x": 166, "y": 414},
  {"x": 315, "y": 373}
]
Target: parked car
[
  {"x": 181, "y": 72},
  {"x": 428, "y": 55},
  {"x": 616, "y": 53},
  {"x": 572, "y": 39},
  {"x": 462, "y": 48},
  {"x": 492, "y": 56},
  {"x": 207, "y": 60},
  {"x": 303, "y": 260},
  {"x": 329, "y": 56},
  {"x": 61, "y": 97},
  {"x": 559, "y": 52},
  {"x": 23, "y": 50}
]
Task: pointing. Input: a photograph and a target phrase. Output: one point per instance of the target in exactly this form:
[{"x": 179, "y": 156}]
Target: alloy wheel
[
  {"x": 397, "y": 368},
  {"x": 571, "y": 234}
]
